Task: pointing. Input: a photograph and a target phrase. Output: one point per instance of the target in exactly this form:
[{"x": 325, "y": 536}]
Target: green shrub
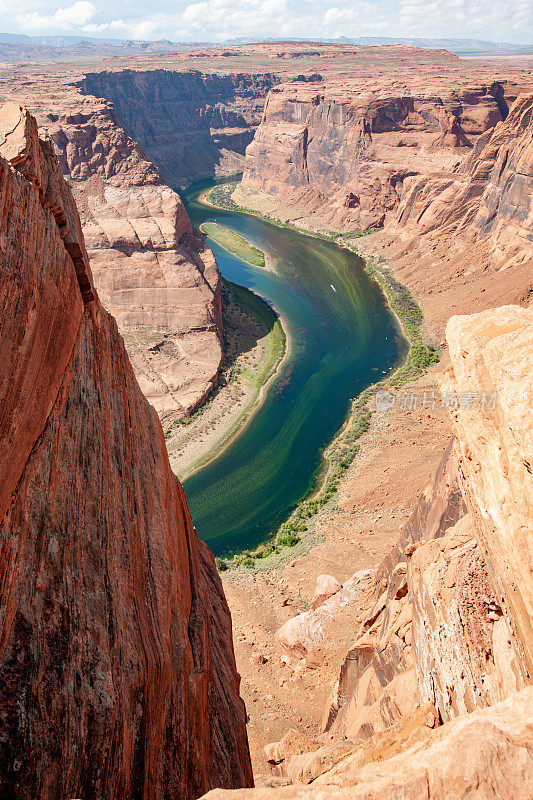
[
  {"x": 287, "y": 539},
  {"x": 424, "y": 355}
]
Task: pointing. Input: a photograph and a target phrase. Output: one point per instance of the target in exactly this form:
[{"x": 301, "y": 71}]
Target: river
[{"x": 343, "y": 338}]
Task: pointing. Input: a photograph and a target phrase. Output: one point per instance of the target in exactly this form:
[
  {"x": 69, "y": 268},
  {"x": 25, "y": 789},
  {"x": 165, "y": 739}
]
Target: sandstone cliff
[
  {"x": 359, "y": 123},
  {"x": 153, "y": 273},
  {"x": 436, "y": 686},
  {"x": 444, "y": 178},
  {"x": 117, "y": 674},
  {"x": 192, "y": 125},
  {"x": 343, "y": 154}
]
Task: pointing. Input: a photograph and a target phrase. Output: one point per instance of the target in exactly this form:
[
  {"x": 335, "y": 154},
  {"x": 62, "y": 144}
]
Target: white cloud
[
  {"x": 466, "y": 18},
  {"x": 216, "y": 20},
  {"x": 64, "y": 19}
]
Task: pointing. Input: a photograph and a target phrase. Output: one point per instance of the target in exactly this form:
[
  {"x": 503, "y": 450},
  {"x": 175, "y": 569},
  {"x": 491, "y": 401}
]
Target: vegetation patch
[
  {"x": 222, "y": 196},
  {"x": 276, "y": 340},
  {"x": 233, "y": 243},
  {"x": 422, "y": 354}
]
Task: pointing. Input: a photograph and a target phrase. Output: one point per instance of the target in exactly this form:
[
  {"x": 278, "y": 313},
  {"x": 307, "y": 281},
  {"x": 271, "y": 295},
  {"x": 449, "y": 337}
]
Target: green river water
[{"x": 344, "y": 338}]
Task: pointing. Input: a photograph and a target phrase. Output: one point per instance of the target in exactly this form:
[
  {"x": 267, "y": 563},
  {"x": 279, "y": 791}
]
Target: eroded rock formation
[
  {"x": 153, "y": 273},
  {"x": 487, "y": 754},
  {"x": 443, "y": 657},
  {"x": 382, "y": 116},
  {"x": 345, "y": 155},
  {"x": 117, "y": 674},
  {"x": 447, "y": 175}
]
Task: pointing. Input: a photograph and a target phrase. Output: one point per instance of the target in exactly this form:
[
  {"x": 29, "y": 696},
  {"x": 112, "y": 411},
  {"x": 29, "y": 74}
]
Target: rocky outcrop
[
  {"x": 482, "y": 756},
  {"x": 451, "y": 622},
  {"x": 300, "y": 637},
  {"x": 117, "y": 674},
  {"x": 488, "y": 199},
  {"x": 447, "y": 174},
  {"x": 344, "y": 155},
  {"x": 154, "y": 275},
  {"x": 492, "y": 357}
]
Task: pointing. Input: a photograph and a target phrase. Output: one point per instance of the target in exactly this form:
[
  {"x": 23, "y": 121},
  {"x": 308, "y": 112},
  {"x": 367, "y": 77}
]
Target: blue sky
[{"x": 216, "y": 20}]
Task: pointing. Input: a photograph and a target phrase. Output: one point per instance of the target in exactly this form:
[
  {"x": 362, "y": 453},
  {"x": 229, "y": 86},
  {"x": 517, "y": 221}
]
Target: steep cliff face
[
  {"x": 446, "y": 173},
  {"x": 117, "y": 672},
  {"x": 451, "y": 622},
  {"x": 345, "y": 149},
  {"x": 488, "y": 200},
  {"x": 190, "y": 124},
  {"x": 153, "y": 273},
  {"x": 344, "y": 155}
]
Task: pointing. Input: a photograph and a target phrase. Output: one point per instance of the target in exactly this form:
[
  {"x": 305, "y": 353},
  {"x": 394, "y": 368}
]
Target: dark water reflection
[{"x": 344, "y": 338}]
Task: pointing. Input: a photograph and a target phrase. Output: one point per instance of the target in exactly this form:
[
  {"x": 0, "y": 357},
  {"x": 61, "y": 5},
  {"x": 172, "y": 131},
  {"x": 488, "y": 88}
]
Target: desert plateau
[{"x": 266, "y": 406}]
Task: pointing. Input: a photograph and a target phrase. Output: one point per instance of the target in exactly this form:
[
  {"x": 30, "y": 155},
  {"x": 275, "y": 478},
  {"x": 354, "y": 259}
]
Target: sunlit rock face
[
  {"x": 346, "y": 151},
  {"x": 117, "y": 674},
  {"x": 492, "y": 356}
]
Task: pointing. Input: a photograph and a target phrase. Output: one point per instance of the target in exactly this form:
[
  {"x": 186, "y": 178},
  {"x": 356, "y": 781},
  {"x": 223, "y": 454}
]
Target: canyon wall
[
  {"x": 344, "y": 149},
  {"x": 488, "y": 199},
  {"x": 117, "y": 673},
  {"x": 344, "y": 154},
  {"x": 443, "y": 181},
  {"x": 153, "y": 272},
  {"x": 191, "y": 124}
]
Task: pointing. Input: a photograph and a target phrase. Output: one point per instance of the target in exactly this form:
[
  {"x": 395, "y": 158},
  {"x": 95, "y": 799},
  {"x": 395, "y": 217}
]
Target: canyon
[
  {"x": 408, "y": 669},
  {"x": 128, "y": 129}
]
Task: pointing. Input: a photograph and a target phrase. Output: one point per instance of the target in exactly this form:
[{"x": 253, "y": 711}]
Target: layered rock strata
[
  {"x": 447, "y": 176},
  {"x": 153, "y": 272},
  {"x": 487, "y": 754},
  {"x": 117, "y": 671},
  {"x": 346, "y": 155},
  {"x": 190, "y": 124},
  {"x": 452, "y": 599},
  {"x": 194, "y": 113}
]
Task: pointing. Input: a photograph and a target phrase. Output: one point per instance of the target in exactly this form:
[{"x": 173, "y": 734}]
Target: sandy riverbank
[{"x": 256, "y": 346}]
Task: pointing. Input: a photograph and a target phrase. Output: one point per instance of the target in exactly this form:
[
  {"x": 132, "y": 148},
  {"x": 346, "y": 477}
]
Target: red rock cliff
[
  {"x": 157, "y": 278},
  {"x": 190, "y": 124},
  {"x": 117, "y": 674},
  {"x": 344, "y": 152},
  {"x": 446, "y": 170}
]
